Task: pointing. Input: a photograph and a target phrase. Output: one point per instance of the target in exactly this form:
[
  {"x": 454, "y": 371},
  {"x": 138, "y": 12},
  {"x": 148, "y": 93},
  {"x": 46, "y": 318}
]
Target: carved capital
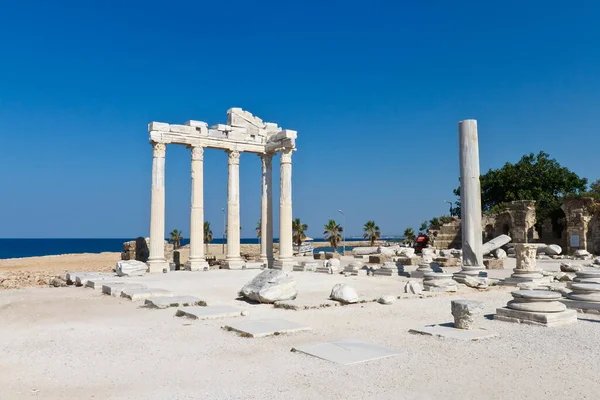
[
  {"x": 197, "y": 153},
  {"x": 234, "y": 157},
  {"x": 159, "y": 150},
  {"x": 286, "y": 156}
]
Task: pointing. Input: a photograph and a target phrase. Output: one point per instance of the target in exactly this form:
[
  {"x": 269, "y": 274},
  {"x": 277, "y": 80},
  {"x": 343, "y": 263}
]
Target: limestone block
[
  {"x": 175, "y": 301},
  {"x": 536, "y": 318},
  {"x": 466, "y": 313},
  {"x": 407, "y": 252},
  {"x": 185, "y": 129},
  {"x": 495, "y": 243},
  {"x": 364, "y": 251},
  {"x": 379, "y": 258},
  {"x": 143, "y": 294},
  {"x": 222, "y": 127},
  {"x": 344, "y": 294},
  {"x": 413, "y": 287},
  {"x": 130, "y": 268},
  {"x": 582, "y": 254},
  {"x": 567, "y": 267},
  {"x": 270, "y": 286},
  {"x": 238, "y": 117},
  {"x": 500, "y": 254},
  {"x": 386, "y": 299},
  {"x": 553, "y": 250},
  {"x": 319, "y": 256},
  {"x": 492, "y": 263},
  {"x": 283, "y": 135},
  {"x": 115, "y": 289},
  {"x": 158, "y": 126},
  {"x": 96, "y": 283},
  {"x": 329, "y": 255}
]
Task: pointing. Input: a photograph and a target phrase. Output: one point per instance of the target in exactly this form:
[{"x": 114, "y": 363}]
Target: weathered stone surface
[
  {"x": 96, "y": 283},
  {"x": 115, "y": 289},
  {"x": 379, "y": 258},
  {"x": 466, "y": 313},
  {"x": 538, "y": 307},
  {"x": 407, "y": 252},
  {"x": 566, "y": 267},
  {"x": 265, "y": 327},
  {"x": 344, "y": 294},
  {"x": 500, "y": 254},
  {"x": 175, "y": 301},
  {"x": 553, "y": 250},
  {"x": 477, "y": 282},
  {"x": 493, "y": 263},
  {"x": 57, "y": 281},
  {"x": 130, "y": 268},
  {"x": 209, "y": 312},
  {"x": 346, "y": 352},
  {"x": 533, "y": 306},
  {"x": 454, "y": 333},
  {"x": 413, "y": 287},
  {"x": 495, "y": 243},
  {"x": 534, "y": 318},
  {"x": 526, "y": 256},
  {"x": 333, "y": 265},
  {"x": 439, "y": 282},
  {"x": 364, "y": 251},
  {"x": 386, "y": 299},
  {"x": 143, "y": 294},
  {"x": 582, "y": 254},
  {"x": 270, "y": 286}
]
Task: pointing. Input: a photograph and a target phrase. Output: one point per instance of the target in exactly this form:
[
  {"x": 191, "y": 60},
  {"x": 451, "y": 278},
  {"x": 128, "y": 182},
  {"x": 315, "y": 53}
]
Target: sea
[{"x": 18, "y": 248}]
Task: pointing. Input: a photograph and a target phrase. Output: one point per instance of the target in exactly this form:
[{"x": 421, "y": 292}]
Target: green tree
[
  {"x": 372, "y": 232},
  {"x": 208, "y": 235},
  {"x": 595, "y": 190},
  {"x": 435, "y": 223},
  {"x": 258, "y": 228},
  {"x": 176, "y": 237},
  {"x": 409, "y": 235},
  {"x": 534, "y": 177},
  {"x": 332, "y": 234},
  {"x": 423, "y": 228},
  {"x": 298, "y": 229}
]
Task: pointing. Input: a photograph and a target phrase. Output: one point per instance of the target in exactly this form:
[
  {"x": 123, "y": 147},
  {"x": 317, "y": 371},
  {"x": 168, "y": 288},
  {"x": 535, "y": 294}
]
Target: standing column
[
  {"x": 470, "y": 200},
  {"x": 286, "y": 251},
  {"x": 156, "y": 260},
  {"x": 266, "y": 218},
  {"x": 233, "y": 258},
  {"x": 197, "y": 262}
]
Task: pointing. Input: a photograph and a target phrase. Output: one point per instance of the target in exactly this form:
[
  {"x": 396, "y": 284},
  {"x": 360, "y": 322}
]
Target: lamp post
[
  {"x": 343, "y": 232},
  {"x": 450, "y": 203},
  {"x": 224, "y": 229}
]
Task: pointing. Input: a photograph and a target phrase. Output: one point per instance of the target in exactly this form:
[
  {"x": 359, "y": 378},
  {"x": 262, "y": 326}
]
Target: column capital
[
  {"x": 159, "y": 149},
  {"x": 197, "y": 152},
  {"x": 234, "y": 157},
  {"x": 286, "y": 156}
]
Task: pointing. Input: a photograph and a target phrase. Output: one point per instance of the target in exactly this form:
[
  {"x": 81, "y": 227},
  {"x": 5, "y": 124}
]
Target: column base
[
  {"x": 472, "y": 271},
  {"x": 197, "y": 265},
  {"x": 234, "y": 264},
  {"x": 158, "y": 266},
  {"x": 285, "y": 265}
]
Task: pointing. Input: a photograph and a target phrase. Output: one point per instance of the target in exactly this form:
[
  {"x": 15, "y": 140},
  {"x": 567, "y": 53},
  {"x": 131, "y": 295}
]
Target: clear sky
[{"x": 374, "y": 88}]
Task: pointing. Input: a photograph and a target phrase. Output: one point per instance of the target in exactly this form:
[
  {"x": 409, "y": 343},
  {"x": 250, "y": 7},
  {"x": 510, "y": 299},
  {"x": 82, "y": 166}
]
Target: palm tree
[
  {"x": 176, "y": 237},
  {"x": 371, "y": 232},
  {"x": 333, "y": 234},
  {"x": 298, "y": 229},
  {"x": 409, "y": 235},
  {"x": 423, "y": 228},
  {"x": 258, "y": 228},
  {"x": 208, "y": 235}
]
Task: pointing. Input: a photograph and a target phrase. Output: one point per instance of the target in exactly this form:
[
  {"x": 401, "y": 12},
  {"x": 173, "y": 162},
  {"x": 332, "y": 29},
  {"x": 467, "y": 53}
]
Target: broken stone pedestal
[
  {"x": 439, "y": 282},
  {"x": 421, "y": 270},
  {"x": 536, "y": 307},
  {"x": 526, "y": 266},
  {"x": 585, "y": 296},
  {"x": 466, "y": 313},
  {"x": 390, "y": 268},
  {"x": 355, "y": 268},
  {"x": 469, "y": 270}
]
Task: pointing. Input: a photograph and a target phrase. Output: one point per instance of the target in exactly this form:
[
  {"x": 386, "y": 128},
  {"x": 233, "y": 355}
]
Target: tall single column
[
  {"x": 197, "y": 262},
  {"x": 266, "y": 219},
  {"x": 286, "y": 251},
  {"x": 470, "y": 200},
  {"x": 156, "y": 260},
  {"x": 233, "y": 258}
]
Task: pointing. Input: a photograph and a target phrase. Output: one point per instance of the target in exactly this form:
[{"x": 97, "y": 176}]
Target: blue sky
[{"x": 375, "y": 90}]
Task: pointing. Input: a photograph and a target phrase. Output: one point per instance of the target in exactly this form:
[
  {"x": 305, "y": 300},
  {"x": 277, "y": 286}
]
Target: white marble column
[
  {"x": 197, "y": 262},
  {"x": 266, "y": 227},
  {"x": 286, "y": 251},
  {"x": 470, "y": 200},
  {"x": 233, "y": 259},
  {"x": 156, "y": 260}
]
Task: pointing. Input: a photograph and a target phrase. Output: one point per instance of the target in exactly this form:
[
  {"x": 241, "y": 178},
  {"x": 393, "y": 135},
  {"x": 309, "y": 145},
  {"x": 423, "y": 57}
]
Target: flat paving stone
[
  {"x": 347, "y": 351},
  {"x": 454, "y": 333},
  {"x": 266, "y": 327},
  {"x": 209, "y": 312},
  {"x": 72, "y": 276},
  {"x": 81, "y": 280},
  {"x": 143, "y": 294},
  {"x": 97, "y": 283},
  {"x": 536, "y": 318},
  {"x": 115, "y": 289},
  {"x": 175, "y": 301}
]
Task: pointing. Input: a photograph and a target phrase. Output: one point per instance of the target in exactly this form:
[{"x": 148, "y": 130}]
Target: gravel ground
[{"x": 74, "y": 343}]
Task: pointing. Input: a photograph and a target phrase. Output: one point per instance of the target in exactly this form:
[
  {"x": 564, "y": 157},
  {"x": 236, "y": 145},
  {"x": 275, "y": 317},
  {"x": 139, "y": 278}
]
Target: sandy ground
[{"x": 74, "y": 343}]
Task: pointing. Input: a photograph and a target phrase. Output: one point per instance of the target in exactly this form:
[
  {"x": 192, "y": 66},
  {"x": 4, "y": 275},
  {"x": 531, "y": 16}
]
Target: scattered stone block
[
  {"x": 176, "y": 301},
  {"x": 439, "y": 282},
  {"x": 115, "y": 289},
  {"x": 493, "y": 263},
  {"x": 96, "y": 283},
  {"x": 265, "y": 327},
  {"x": 130, "y": 268},
  {"x": 454, "y": 333},
  {"x": 466, "y": 313},
  {"x": 379, "y": 258},
  {"x": 567, "y": 267},
  {"x": 81, "y": 278},
  {"x": 270, "y": 286},
  {"x": 390, "y": 268},
  {"x": 346, "y": 352},
  {"x": 413, "y": 287},
  {"x": 553, "y": 250},
  {"x": 495, "y": 243},
  {"x": 409, "y": 260},
  {"x": 386, "y": 300},
  {"x": 297, "y": 305},
  {"x": 447, "y": 262},
  {"x": 143, "y": 294},
  {"x": 344, "y": 294},
  {"x": 209, "y": 312}
]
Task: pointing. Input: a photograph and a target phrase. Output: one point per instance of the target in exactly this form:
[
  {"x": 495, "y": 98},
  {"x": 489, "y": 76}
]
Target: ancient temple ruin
[{"x": 243, "y": 133}]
